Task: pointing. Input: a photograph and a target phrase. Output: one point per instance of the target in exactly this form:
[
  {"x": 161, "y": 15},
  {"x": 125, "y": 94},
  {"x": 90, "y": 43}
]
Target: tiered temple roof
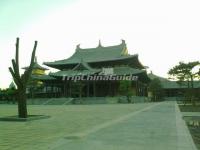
[
  {"x": 91, "y": 61},
  {"x": 97, "y": 56},
  {"x": 36, "y": 66},
  {"x": 38, "y": 72}
]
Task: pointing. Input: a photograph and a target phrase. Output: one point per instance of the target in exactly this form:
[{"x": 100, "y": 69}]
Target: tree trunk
[
  {"x": 22, "y": 107},
  {"x": 192, "y": 91},
  {"x": 192, "y": 82},
  {"x": 188, "y": 84}
]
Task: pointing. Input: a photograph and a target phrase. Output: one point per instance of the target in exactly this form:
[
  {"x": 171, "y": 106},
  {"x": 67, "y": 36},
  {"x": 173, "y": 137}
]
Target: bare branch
[
  {"x": 30, "y": 68},
  {"x": 17, "y": 57},
  {"x": 14, "y": 78}
]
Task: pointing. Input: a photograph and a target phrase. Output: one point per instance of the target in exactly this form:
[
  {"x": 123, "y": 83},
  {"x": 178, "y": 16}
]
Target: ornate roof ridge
[{"x": 123, "y": 43}]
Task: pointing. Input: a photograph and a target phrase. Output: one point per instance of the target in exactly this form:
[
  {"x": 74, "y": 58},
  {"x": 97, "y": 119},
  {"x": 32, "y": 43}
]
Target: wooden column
[
  {"x": 110, "y": 88},
  {"x": 46, "y": 94},
  {"x": 136, "y": 88},
  {"x": 88, "y": 89},
  {"x": 70, "y": 88},
  {"x": 63, "y": 89},
  {"x": 94, "y": 89},
  {"x": 52, "y": 92}
]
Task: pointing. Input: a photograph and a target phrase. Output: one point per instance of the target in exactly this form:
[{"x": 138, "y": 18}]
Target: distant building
[
  {"x": 35, "y": 86},
  {"x": 172, "y": 88},
  {"x": 38, "y": 70}
]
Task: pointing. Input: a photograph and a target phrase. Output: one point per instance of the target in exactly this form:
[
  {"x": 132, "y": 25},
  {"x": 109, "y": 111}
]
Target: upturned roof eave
[{"x": 52, "y": 64}]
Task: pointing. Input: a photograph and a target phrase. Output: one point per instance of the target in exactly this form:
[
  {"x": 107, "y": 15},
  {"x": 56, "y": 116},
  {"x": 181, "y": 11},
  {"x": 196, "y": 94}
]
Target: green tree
[
  {"x": 33, "y": 86},
  {"x": 77, "y": 89},
  {"x": 21, "y": 80},
  {"x": 10, "y": 94},
  {"x": 184, "y": 72},
  {"x": 125, "y": 89},
  {"x": 156, "y": 89}
]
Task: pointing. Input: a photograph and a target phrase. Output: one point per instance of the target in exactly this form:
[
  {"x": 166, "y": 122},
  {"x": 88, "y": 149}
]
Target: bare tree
[{"x": 22, "y": 80}]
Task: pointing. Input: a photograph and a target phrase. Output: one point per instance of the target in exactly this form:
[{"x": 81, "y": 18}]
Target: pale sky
[{"x": 162, "y": 32}]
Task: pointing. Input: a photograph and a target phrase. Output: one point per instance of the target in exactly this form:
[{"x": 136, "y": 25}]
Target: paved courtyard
[{"x": 148, "y": 126}]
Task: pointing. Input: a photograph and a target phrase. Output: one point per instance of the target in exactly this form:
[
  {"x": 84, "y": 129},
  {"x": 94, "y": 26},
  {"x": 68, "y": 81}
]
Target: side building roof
[
  {"x": 153, "y": 76},
  {"x": 167, "y": 84}
]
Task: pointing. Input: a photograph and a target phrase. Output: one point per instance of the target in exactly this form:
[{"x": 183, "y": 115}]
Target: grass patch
[
  {"x": 195, "y": 132},
  {"x": 189, "y": 108},
  {"x": 192, "y": 122}
]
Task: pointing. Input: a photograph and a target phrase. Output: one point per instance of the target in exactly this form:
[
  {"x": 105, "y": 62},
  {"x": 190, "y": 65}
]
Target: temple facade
[{"x": 77, "y": 75}]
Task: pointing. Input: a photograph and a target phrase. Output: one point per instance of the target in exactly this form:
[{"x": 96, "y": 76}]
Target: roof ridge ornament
[
  {"x": 100, "y": 44},
  {"x": 123, "y": 42},
  {"x": 78, "y": 46}
]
